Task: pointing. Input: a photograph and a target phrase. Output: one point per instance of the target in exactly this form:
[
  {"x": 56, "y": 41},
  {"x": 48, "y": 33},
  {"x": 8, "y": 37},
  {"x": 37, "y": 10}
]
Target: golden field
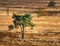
[{"x": 46, "y": 31}]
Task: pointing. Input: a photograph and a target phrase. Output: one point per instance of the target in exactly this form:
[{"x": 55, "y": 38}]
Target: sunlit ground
[{"x": 45, "y": 33}]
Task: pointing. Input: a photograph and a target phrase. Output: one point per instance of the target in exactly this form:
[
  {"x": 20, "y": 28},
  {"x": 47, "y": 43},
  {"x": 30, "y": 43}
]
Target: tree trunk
[
  {"x": 7, "y": 11},
  {"x": 22, "y": 32}
]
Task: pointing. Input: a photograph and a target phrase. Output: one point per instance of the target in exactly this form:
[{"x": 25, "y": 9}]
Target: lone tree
[
  {"x": 6, "y": 6},
  {"x": 51, "y": 4},
  {"x": 22, "y": 21}
]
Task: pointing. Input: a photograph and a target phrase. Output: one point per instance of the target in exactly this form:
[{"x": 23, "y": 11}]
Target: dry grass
[{"x": 32, "y": 39}]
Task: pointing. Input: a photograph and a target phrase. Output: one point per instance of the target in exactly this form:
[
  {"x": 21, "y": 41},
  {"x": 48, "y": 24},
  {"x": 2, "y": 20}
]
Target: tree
[
  {"x": 7, "y": 8},
  {"x": 51, "y": 4},
  {"x": 41, "y": 11},
  {"x": 22, "y": 21}
]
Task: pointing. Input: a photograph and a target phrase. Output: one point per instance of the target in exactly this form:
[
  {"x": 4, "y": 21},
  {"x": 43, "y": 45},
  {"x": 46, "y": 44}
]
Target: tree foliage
[
  {"x": 51, "y": 4},
  {"x": 22, "y": 20}
]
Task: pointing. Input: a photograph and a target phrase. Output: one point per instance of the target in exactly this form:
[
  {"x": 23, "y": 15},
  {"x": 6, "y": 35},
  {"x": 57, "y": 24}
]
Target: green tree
[
  {"x": 22, "y": 21},
  {"x": 51, "y": 4},
  {"x": 6, "y": 6}
]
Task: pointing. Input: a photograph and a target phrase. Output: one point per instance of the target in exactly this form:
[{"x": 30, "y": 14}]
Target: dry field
[
  {"x": 45, "y": 33},
  {"x": 32, "y": 39}
]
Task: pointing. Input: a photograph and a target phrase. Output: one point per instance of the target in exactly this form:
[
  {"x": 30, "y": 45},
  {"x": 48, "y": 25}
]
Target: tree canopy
[
  {"x": 51, "y": 4},
  {"x": 24, "y": 20}
]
